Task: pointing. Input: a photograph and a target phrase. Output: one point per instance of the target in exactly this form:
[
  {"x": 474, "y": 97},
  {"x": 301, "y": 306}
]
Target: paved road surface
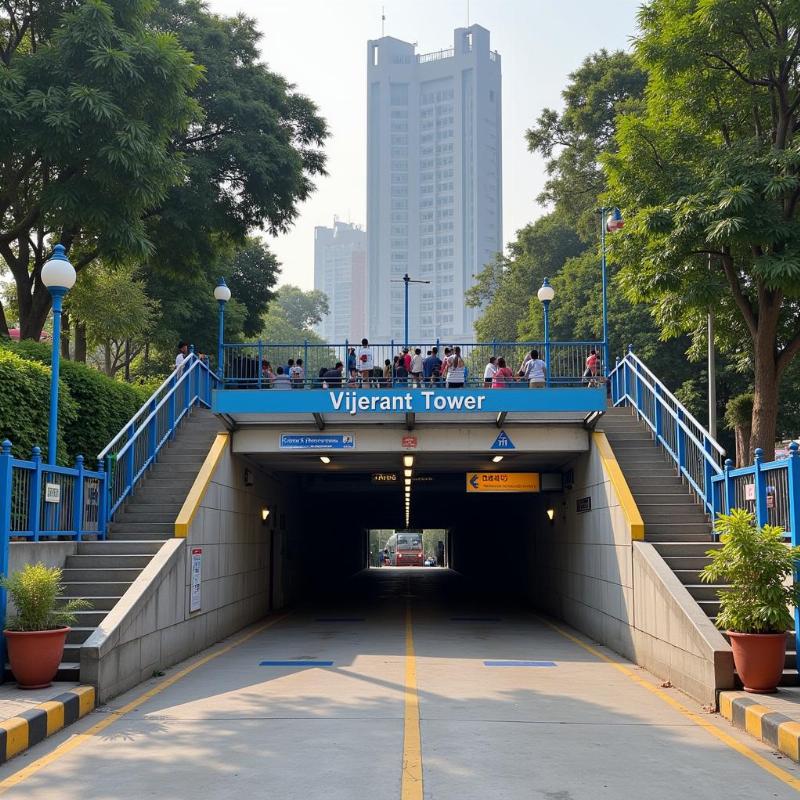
[{"x": 579, "y": 730}]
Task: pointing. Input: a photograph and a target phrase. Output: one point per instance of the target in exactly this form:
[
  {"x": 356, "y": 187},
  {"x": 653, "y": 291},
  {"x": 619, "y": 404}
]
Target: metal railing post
[
  {"x": 171, "y": 409},
  {"x": 36, "y": 493},
  {"x": 305, "y": 360},
  {"x": 680, "y": 441},
  {"x": 77, "y": 504},
  {"x": 130, "y": 460},
  {"x": 709, "y": 475},
  {"x": 102, "y": 499},
  {"x": 152, "y": 436},
  {"x": 793, "y": 483},
  {"x": 110, "y": 466},
  {"x": 627, "y": 376},
  {"x": 6, "y": 484},
  {"x": 762, "y": 516},
  {"x": 260, "y": 361},
  {"x": 730, "y": 487},
  {"x": 659, "y": 419}
]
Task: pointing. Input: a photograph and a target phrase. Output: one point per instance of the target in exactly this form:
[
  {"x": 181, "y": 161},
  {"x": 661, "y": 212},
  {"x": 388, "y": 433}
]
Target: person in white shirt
[
  {"x": 490, "y": 371},
  {"x": 297, "y": 374},
  {"x": 416, "y": 368},
  {"x": 456, "y": 370},
  {"x": 535, "y": 371},
  {"x": 183, "y": 354},
  {"x": 364, "y": 363},
  {"x": 281, "y": 380}
]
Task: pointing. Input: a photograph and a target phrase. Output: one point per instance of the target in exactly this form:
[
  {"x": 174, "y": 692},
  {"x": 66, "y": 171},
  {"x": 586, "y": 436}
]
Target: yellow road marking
[
  {"x": 411, "y": 784},
  {"x": 697, "y": 719},
  {"x": 83, "y": 738}
]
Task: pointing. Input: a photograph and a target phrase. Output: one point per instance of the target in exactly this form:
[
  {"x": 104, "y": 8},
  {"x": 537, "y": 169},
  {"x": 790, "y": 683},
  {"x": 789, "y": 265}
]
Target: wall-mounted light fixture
[
  {"x": 497, "y": 459},
  {"x": 264, "y": 514},
  {"x": 551, "y": 513}
]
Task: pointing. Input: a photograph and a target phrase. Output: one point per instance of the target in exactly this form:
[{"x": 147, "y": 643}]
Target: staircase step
[
  {"x": 633, "y": 444},
  {"x": 90, "y": 619},
  {"x": 99, "y": 602},
  {"x": 688, "y": 576},
  {"x": 138, "y": 536},
  {"x": 113, "y": 548},
  {"x": 180, "y": 457},
  {"x": 689, "y": 563},
  {"x": 105, "y": 574},
  {"x": 687, "y": 538},
  {"x": 682, "y": 528},
  {"x": 710, "y": 607},
  {"x": 674, "y": 549},
  {"x": 684, "y": 517},
  {"x": 110, "y": 561},
  {"x": 78, "y": 635},
  {"x": 153, "y": 508},
  {"x": 656, "y": 472},
  {"x": 157, "y": 496},
  {"x": 142, "y": 527},
  {"x": 135, "y": 514},
  {"x": 670, "y": 486},
  {"x": 89, "y": 589}
]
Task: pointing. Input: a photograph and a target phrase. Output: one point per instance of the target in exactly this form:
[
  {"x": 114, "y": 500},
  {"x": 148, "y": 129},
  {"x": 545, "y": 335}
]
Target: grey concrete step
[
  {"x": 675, "y": 517},
  {"x": 704, "y": 591},
  {"x": 656, "y": 472},
  {"x": 111, "y": 547},
  {"x": 710, "y": 607},
  {"x": 110, "y": 561},
  {"x": 655, "y": 538},
  {"x": 149, "y": 496},
  {"x": 626, "y": 445},
  {"x": 673, "y": 549},
  {"x": 141, "y": 513},
  {"x": 138, "y": 536},
  {"x": 88, "y": 589},
  {"x": 113, "y": 574},
  {"x": 683, "y": 528},
  {"x": 191, "y": 468},
  {"x": 153, "y": 508},
  {"x": 671, "y": 486},
  {"x": 99, "y": 602},
  {"x": 651, "y": 455},
  {"x": 688, "y": 575},
  {"x": 180, "y": 457},
  {"x": 686, "y": 563},
  {"x": 90, "y": 619},
  {"x": 78, "y": 635},
  {"x": 142, "y": 527}
]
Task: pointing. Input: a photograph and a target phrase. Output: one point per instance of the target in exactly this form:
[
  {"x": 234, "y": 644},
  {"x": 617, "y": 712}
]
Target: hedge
[
  {"x": 103, "y": 404},
  {"x": 25, "y": 405}
]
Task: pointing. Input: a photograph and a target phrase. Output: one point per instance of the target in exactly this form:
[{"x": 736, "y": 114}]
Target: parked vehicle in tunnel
[{"x": 405, "y": 550}]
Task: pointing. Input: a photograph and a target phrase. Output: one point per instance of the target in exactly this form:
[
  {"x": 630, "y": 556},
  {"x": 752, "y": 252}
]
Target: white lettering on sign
[
  {"x": 447, "y": 402},
  {"x": 52, "y": 493},
  {"x": 352, "y": 402}
]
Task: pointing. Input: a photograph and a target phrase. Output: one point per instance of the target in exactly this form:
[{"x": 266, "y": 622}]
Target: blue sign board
[
  {"x": 322, "y": 441},
  {"x": 502, "y": 442},
  {"x": 357, "y": 402}
]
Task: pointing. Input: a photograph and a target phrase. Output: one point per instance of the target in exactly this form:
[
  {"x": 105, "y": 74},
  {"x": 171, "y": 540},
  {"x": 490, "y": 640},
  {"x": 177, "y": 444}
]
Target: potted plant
[
  {"x": 755, "y": 563},
  {"x": 35, "y": 635}
]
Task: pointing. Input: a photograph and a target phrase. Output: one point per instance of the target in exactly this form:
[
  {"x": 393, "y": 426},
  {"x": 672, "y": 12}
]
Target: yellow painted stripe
[
  {"x": 789, "y": 739},
  {"x": 17, "y": 735},
  {"x": 411, "y": 785},
  {"x": 765, "y": 764},
  {"x": 109, "y": 719},
  {"x": 198, "y": 490},
  {"x": 55, "y": 715},
  {"x": 85, "y": 699},
  {"x": 624, "y": 495},
  {"x": 726, "y": 705},
  {"x": 752, "y": 719}
]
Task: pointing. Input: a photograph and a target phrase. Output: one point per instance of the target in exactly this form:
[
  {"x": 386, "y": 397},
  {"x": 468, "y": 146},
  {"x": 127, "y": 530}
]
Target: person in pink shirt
[{"x": 503, "y": 376}]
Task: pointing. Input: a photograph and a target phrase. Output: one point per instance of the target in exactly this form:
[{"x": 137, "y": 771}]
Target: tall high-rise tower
[
  {"x": 434, "y": 181},
  {"x": 340, "y": 256}
]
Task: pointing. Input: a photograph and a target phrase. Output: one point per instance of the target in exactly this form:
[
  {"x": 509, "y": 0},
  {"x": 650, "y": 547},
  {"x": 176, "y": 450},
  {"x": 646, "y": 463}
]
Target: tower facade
[{"x": 434, "y": 181}]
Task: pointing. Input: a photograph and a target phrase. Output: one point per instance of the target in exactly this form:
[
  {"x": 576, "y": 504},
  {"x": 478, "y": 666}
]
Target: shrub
[
  {"x": 755, "y": 563},
  {"x": 104, "y": 405},
  {"x": 34, "y": 590},
  {"x": 25, "y": 403}
]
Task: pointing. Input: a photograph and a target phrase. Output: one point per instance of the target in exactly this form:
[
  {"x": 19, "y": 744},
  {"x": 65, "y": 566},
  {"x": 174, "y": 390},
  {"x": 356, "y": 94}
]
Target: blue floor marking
[
  {"x": 519, "y": 663},
  {"x": 295, "y": 663}
]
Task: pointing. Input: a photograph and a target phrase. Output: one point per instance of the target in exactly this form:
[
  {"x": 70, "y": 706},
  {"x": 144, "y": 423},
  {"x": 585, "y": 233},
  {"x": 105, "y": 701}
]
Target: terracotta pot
[
  {"x": 759, "y": 659},
  {"x": 35, "y": 656}
]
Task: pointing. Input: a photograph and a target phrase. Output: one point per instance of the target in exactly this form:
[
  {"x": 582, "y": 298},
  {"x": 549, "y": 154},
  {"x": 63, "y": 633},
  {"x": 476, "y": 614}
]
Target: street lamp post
[
  {"x": 406, "y": 280},
  {"x": 613, "y": 223},
  {"x": 546, "y": 294},
  {"x": 222, "y": 294},
  {"x": 58, "y": 275}
]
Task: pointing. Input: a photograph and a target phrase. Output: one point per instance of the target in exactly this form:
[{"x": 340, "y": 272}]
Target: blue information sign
[
  {"x": 502, "y": 442},
  {"x": 321, "y": 441}
]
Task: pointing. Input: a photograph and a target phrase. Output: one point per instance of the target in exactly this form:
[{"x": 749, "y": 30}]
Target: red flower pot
[
  {"x": 759, "y": 659},
  {"x": 35, "y": 656}
]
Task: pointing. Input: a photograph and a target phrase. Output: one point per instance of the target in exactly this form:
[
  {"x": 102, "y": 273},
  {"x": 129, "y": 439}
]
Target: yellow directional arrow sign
[{"x": 502, "y": 482}]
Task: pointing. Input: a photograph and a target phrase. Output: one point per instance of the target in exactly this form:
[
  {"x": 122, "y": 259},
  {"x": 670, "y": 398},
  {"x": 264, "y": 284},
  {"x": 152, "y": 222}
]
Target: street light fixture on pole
[
  {"x": 406, "y": 280},
  {"x": 546, "y": 294},
  {"x": 58, "y": 275},
  {"x": 221, "y": 294},
  {"x": 613, "y": 223}
]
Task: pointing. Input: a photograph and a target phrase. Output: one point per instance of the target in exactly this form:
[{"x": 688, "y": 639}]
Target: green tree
[
  {"x": 301, "y": 309},
  {"x": 91, "y": 97},
  {"x": 708, "y": 171}
]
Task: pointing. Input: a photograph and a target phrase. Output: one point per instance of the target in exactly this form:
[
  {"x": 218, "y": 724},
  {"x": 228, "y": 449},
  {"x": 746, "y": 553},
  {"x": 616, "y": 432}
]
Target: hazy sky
[{"x": 320, "y": 45}]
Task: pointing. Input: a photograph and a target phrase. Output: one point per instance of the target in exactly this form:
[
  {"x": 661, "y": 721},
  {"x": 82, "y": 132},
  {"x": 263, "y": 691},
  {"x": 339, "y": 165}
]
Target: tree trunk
[
  {"x": 108, "y": 358},
  {"x": 742, "y": 434},
  {"x": 32, "y": 323},
  {"x": 65, "y": 328},
  {"x": 3, "y": 322},
  {"x": 80, "y": 342},
  {"x": 765, "y": 392}
]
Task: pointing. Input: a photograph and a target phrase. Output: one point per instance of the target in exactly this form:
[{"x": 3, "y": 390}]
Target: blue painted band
[
  {"x": 351, "y": 402},
  {"x": 295, "y": 663},
  {"x": 519, "y": 663}
]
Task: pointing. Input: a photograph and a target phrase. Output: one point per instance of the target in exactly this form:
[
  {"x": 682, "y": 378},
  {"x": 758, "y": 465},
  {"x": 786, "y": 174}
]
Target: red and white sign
[
  {"x": 750, "y": 491},
  {"x": 194, "y": 595},
  {"x": 409, "y": 442}
]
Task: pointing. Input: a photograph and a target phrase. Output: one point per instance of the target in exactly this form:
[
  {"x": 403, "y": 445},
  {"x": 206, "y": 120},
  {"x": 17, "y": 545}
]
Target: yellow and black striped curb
[
  {"x": 771, "y": 727},
  {"x": 30, "y": 727}
]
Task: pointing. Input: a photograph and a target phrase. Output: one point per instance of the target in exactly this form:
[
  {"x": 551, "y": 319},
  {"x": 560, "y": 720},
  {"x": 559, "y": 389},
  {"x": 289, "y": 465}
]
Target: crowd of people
[{"x": 410, "y": 368}]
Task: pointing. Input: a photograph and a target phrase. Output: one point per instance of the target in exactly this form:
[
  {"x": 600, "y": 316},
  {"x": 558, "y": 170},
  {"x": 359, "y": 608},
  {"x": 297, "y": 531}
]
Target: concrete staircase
[
  {"x": 102, "y": 571},
  {"x": 674, "y": 522}
]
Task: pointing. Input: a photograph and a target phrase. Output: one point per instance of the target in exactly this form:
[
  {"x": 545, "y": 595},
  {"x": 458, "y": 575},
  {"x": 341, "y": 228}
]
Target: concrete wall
[
  {"x": 248, "y": 569},
  {"x": 588, "y": 572}
]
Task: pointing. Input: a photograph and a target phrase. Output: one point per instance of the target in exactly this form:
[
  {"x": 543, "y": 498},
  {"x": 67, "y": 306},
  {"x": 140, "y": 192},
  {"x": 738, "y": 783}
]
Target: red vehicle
[{"x": 405, "y": 550}]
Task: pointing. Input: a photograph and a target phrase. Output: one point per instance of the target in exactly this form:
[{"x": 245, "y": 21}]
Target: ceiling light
[
  {"x": 325, "y": 459},
  {"x": 408, "y": 461},
  {"x": 407, "y": 481},
  {"x": 407, "y": 473},
  {"x": 497, "y": 459}
]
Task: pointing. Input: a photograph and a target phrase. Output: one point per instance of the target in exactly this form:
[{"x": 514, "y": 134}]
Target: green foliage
[
  {"x": 754, "y": 563},
  {"x": 34, "y": 590},
  {"x": 96, "y": 407},
  {"x": 739, "y": 411},
  {"x": 25, "y": 404},
  {"x": 291, "y": 315}
]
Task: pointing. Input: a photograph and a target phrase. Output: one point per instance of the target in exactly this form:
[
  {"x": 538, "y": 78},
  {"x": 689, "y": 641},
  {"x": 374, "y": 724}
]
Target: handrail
[{"x": 693, "y": 449}]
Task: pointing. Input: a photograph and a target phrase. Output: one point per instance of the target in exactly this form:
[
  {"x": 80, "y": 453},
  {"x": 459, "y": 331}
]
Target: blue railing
[
  {"x": 696, "y": 454},
  {"x": 245, "y": 365},
  {"x": 135, "y": 448}
]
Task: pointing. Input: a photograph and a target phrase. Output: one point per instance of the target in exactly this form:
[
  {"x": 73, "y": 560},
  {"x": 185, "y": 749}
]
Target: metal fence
[
  {"x": 44, "y": 501},
  {"x": 252, "y": 365},
  {"x": 135, "y": 448}
]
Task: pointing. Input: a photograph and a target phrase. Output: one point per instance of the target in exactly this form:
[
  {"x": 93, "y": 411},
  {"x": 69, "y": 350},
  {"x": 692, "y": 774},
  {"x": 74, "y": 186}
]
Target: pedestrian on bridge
[{"x": 365, "y": 363}]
